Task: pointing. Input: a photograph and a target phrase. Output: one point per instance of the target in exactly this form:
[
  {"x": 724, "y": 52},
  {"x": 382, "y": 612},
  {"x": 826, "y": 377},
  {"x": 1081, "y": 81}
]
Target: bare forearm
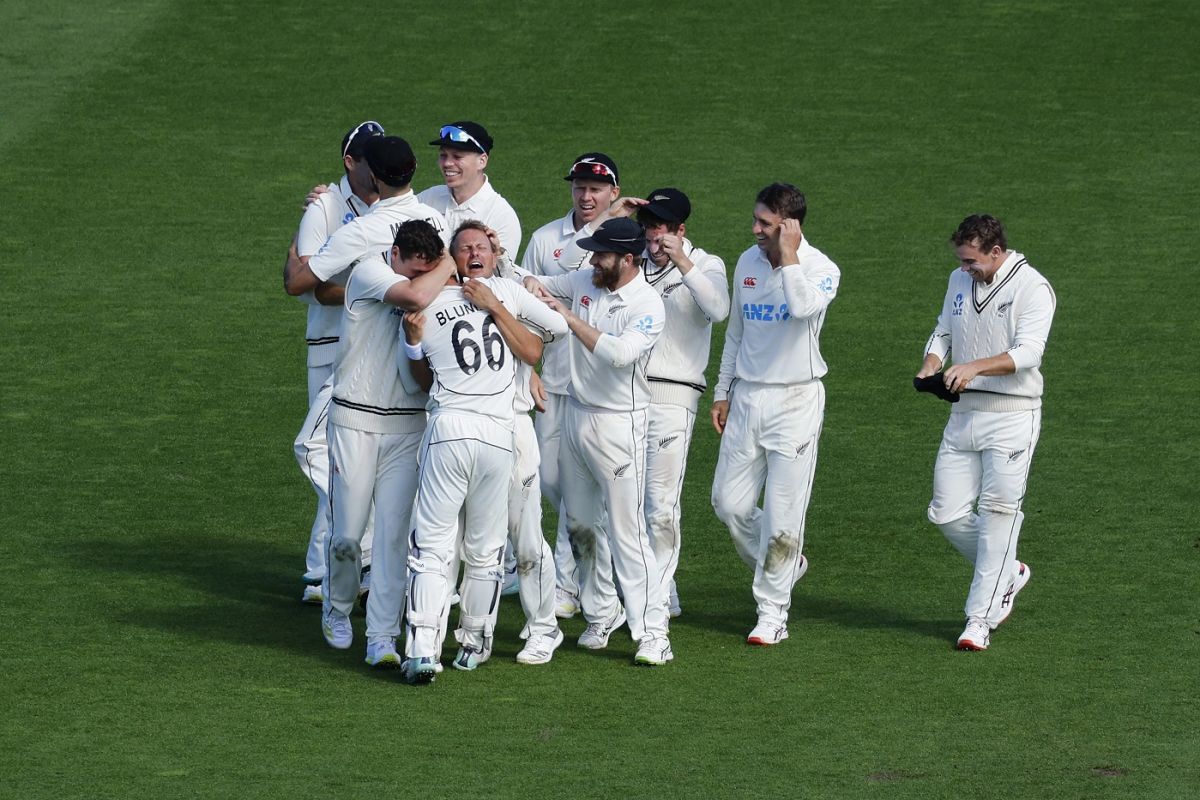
[
  {"x": 585, "y": 333},
  {"x": 525, "y": 344},
  {"x": 330, "y": 294}
]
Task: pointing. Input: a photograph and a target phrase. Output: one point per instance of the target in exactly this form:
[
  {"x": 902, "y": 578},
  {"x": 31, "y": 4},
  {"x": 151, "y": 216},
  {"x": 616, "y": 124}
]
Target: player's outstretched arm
[{"x": 419, "y": 292}]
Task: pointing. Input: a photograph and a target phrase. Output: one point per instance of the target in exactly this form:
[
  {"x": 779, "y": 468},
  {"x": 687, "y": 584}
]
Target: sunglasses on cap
[
  {"x": 459, "y": 135},
  {"x": 582, "y": 168},
  {"x": 368, "y": 128}
]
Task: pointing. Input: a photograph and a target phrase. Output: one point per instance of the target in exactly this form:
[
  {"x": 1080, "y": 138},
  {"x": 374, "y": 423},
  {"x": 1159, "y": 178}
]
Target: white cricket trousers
[
  {"x": 535, "y": 560},
  {"x": 668, "y": 435},
  {"x": 548, "y": 426},
  {"x": 312, "y": 454},
  {"x": 602, "y": 466},
  {"x": 382, "y": 466},
  {"x": 979, "y": 482},
  {"x": 770, "y": 441},
  {"x": 466, "y": 465}
]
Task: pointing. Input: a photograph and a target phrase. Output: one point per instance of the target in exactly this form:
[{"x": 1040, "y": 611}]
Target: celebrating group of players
[{"x": 423, "y": 334}]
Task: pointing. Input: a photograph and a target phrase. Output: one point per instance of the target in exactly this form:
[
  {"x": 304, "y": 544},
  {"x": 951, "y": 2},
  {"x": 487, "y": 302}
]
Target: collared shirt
[
  {"x": 693, "y": 302},
  {"x": 368, "y": 391},
  {"x": 541, "y": 257},
  {"x": 486, "y": 205},
  {"x": 373, "y": 234},
  {"x": 630, "y": 320},
  {"x": 330, "y": 211},
  {"x": 1012, "y": 314},
  {"x": 774, "y": 327}
]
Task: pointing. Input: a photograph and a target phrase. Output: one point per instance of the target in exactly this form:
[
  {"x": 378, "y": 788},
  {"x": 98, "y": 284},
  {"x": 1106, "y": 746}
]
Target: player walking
[
  {"x": 994, "y": 324},
  {"x": 375, "y": 427},
  {"x": 471, "y": 337},
  {"x": 595, "y": 185},
  {"x": 769, "y": 402},
  {"x": 340, "y": 203},
  {"x": 615, "y": 317}
]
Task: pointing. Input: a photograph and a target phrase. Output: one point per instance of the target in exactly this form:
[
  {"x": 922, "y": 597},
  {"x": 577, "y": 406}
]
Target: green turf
[{"x": 154, "y": 521}]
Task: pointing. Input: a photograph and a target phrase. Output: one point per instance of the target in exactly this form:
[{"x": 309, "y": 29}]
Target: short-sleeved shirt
[{"x": 487, "y": 206}]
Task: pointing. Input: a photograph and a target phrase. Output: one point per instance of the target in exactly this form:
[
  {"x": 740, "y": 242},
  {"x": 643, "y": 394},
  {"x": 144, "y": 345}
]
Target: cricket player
[
  {"x": 615, "y": 317},
  {"x": 471, "y": 338},
  {"x": 595, "y": 185},
  {"x": 342, "y": 202},
  {"x": 375, "y": 427},
  {"x": 463, "y": 151},
  {"x": 992, "y": 329},
  {"x": 769, "y": 402}
]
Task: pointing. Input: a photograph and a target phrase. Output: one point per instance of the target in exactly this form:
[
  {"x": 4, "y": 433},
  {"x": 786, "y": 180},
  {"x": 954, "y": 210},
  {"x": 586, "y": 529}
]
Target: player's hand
[
  {"x": 494, "y": 238},
  {"x": 537, "y": 390},
  {"x": 959, "y": 376},
  {"x": 532, "y": 285},
  {"x": 720, "y": 413},
  {"x": 789, "y": 239},
  {"x": 414, "y": 326},
  {"x": 929, "y": 366},
  {"x": 672, "y": 245},
  {"x": 625, "y": 207},
  {"x": 480, "y": 294},
  {"x": 312, "y": 196},
  {"x": 553, "y": 303}
]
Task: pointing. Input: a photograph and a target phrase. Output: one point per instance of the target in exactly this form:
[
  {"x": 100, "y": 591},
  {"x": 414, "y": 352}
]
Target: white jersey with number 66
[{"x": 473, "y": 367}]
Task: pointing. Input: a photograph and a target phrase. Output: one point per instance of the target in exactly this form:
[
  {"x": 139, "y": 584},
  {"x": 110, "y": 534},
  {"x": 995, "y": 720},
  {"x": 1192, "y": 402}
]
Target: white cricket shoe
[
  {"x": 653, "y": 652},
  {"x": 976, "y": 636},
  {"x": 539, "y": 648},
  {"x": 381, "y": 653},
  {"x": 1010, "y": 595},
  {"x": 337, "y": 629},
  {"x": 595, "y": 636},
  {"x": 566, "y": 605},
  {"x": 313, "y": 595},
  {"x": 419, "y": 671},
  {"x": 469, "y": 658},
  {"x": 767, "y": 633}
]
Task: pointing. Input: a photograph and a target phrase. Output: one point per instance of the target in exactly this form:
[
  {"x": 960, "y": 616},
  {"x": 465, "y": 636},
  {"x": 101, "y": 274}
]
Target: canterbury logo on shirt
[{"x": 765, "y": 312}]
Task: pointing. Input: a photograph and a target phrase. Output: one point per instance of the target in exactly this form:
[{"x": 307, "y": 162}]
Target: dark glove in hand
[{"x": 935, "y": 386}]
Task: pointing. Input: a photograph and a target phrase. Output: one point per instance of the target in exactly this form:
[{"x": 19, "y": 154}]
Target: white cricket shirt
[
  {"x": 630, "y": 320},
  {"x": 368, "y": 393},
  {"x": 330, "y": 211},
  {"x": 693, "y": 302},
  {"x": 487, "y": 205},
  {"x": 774, "y": 329},
  {"x": 373, "y": 234},
  {"x": 1012, "y": 314},
  {"x": 473, "y": 367},
  {"x": 541, "y": 256}
]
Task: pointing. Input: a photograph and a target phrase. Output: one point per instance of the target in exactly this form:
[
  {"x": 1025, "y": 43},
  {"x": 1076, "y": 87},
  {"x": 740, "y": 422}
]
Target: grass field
[{"x": 154, "y": 521}]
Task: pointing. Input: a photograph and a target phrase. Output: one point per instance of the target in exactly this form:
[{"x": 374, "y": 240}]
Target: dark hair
[
  {"x": 416, "y": 237},
  {"x": 470, "y": 225},
  {"x": 648, "y": 220},
  {"x": 785, "y": 200},
  {"x": 981, "y": 230}
]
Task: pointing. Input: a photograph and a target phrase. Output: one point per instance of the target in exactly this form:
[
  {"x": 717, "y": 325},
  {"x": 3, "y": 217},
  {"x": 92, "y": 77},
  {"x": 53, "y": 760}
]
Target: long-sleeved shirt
[
  {"x": 373, "y": 234},
  {"x": 330, "y": 211},
  {"x": 774, "y": 329},
  {"x": 1012, "y": 314},
  {"x": 693, "y": 302},
  {"x": 612, "y": 377},
  {"x": 486, "y": 205},
  {"x": 541, "y": 257}
]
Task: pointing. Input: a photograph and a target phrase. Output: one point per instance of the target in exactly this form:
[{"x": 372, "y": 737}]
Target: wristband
[{"x": 415, "y": 352}]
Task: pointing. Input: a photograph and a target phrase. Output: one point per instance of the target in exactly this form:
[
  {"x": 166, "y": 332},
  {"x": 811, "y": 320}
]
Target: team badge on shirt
[{"x": 749, "y": 283}]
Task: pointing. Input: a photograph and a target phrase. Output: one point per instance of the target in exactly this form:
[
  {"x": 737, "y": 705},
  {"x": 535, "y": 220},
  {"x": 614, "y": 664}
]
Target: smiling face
[
  {"x": 590, "y": 198},
  {"x": 473, "y": 253},
  {"x": 462, "y": 169},
  {"x": 766, "y": 228},
  {"x": 606, "y": 269},
  {"x": 979, "y": 264}
]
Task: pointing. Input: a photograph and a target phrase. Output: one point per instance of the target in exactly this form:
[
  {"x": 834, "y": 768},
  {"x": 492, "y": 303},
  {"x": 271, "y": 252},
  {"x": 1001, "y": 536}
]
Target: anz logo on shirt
[
  {"x": 765, "y": 312},
  {"x": 958, "y": 305},
  {"x": 645, "y": 324},
  {"x": 349, "y": 216}
]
